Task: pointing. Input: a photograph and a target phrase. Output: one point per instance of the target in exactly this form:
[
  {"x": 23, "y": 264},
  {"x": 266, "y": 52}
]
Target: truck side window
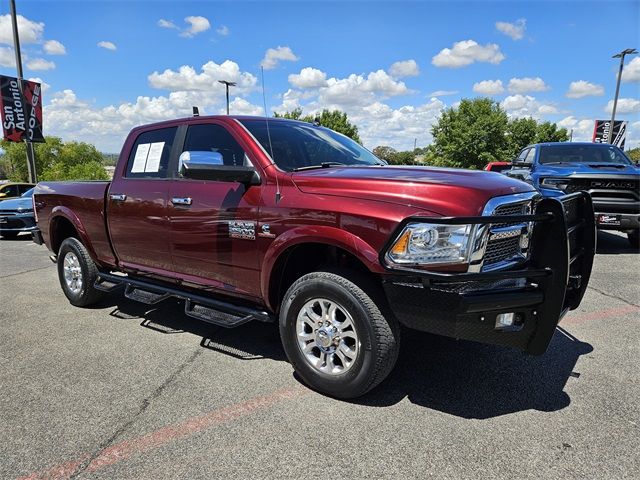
[
  {"x": 149, "y": 157},
  {"x": 531, "y": 155},
  {"x": 209, "y": 137},
  {"x": 523, "y": 154}
]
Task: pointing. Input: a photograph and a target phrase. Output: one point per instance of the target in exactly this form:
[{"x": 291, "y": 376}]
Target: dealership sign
[
  {"x": 21, "y": 115},
  {"x": 602, "y": 131}
]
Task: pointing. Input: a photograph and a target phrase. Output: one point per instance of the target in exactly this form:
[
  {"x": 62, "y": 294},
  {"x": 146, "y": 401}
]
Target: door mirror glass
[{"x": 206, "y": 165}]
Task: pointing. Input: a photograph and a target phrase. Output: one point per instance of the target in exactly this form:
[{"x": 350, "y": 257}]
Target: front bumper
[
  {"x": 553, "y": 281},
  {"x": 17, "y": 223}
]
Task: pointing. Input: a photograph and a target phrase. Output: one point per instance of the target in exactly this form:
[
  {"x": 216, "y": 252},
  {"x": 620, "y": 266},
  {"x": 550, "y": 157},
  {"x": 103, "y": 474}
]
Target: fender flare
[
  {"x": 326, "y": 235},
  {"x": 68, "y": 214}
]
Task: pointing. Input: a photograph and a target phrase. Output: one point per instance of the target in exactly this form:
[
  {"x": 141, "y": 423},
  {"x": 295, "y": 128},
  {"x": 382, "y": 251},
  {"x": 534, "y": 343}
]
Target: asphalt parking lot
[{"x": 128, "y": 391}]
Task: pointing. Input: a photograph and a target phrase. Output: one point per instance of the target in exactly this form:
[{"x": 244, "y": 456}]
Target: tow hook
[{"x": 575, "y": 281}]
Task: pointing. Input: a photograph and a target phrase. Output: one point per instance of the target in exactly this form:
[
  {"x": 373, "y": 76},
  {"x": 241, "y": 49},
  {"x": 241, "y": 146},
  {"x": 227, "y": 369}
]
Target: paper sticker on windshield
[
  {"x": 140, "y": 160},
  {"x": 154, "y": 156}
]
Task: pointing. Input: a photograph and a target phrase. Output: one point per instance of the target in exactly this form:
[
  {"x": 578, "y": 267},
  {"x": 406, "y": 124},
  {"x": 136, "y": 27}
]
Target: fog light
[{"x": 505, "y": 320}]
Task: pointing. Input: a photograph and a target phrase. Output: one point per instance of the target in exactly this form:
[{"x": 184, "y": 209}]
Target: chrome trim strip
[{"x": 486, "y": 233}]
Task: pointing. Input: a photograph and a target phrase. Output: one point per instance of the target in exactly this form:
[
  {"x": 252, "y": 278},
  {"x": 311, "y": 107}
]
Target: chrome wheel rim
[
  {"x": 72, "y": 272},
  {"x": 327, "y": 336}
]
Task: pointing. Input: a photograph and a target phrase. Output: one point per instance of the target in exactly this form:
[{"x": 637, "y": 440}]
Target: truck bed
[{"x": 83, "y": 205}]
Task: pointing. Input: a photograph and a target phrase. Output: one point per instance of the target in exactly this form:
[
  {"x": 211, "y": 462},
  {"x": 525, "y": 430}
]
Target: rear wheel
[
  {"x": 77, "y": 274},
  {"x": 634, "y": 238},
  {"x": 335, "y": 334}
]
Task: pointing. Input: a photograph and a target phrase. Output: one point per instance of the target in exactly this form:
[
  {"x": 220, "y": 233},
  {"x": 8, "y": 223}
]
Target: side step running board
[{"x": 206, "y": 309}]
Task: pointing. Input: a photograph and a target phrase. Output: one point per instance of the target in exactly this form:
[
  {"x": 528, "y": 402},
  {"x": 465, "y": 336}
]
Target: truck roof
[
  {"x": 556, "y": 144},
  {"x": 213, "y": 117}
]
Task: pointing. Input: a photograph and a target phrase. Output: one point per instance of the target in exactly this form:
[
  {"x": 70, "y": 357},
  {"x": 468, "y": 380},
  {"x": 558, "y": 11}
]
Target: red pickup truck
[{"x": 282, "y": 221}]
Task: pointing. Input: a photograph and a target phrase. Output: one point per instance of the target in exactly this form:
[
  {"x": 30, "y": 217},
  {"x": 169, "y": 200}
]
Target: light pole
[
  {"x": 621, "y": 55},
  {"x": 227, "y": 84},
  {"x": 31, "y": 160}
]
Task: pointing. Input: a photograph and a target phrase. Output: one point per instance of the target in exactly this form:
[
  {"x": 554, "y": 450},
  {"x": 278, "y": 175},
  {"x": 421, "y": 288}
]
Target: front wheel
[
  {"x": 77, "y": 274},
  {"x": 634, "y": 238},
  {"x": 335, "y": 334}
]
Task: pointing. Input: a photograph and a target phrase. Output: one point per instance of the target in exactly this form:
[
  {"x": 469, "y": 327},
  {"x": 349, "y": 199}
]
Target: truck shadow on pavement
[
  {"x": 473, "y": 380},
  {"x": 466, "y": 379},
  {"x": 612, "y": 244}
]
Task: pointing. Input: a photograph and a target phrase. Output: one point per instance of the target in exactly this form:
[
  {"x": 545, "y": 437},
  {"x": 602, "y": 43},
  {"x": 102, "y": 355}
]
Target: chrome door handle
[
  {"x": 118, "y": 197},
  {"x": 181, "y": 200}
]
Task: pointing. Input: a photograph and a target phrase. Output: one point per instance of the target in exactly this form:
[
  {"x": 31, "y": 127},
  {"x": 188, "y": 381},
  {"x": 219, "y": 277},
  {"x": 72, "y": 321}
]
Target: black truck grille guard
[{"x": 551, "y": 282}]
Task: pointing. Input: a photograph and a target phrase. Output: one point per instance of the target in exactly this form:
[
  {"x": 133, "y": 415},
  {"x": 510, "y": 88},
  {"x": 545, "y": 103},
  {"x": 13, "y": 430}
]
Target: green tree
[
  {"x": 55, "y": 160},
  {"x": 385, "y": 153},
  {"x": 520, "y": 133},
  {"x": 549, "y": 132},
  {"x": 634, "y": 154},
  {"x": 333, "y": 119},
  {"x": 471, "y": 135}
]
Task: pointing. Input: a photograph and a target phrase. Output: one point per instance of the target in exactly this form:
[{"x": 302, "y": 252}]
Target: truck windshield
[
  {"x": 297, "y": 145},
  {"x": 590, "y": 153}
]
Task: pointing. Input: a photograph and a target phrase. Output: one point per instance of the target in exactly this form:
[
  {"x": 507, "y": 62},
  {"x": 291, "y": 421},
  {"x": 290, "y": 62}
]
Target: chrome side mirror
[{"x": 198, "y": 159}]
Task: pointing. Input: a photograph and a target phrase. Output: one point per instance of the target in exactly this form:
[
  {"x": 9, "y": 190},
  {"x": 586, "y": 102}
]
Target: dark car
[
  {"x": 16, "y": 215},
  {"x": 13, "y": 190}
]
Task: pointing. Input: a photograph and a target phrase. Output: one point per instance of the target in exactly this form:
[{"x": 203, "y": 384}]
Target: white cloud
[
  {"x": 40, "y": 64},
  {"x": 625, "y": 105},
  {"x": 631, "y": 72},
  {"x": 488, "y": 87},
  {"x": 582, "y": 128},
  {"x": 308, "y": 78},
  {"x": 405, "y": 68},
  {"x": 442, "y": 93},
  {"x": 514, "y": 30},
  {"x": 7, "y": 57},
  {"x": 187, "y": 79},
  {"x": 223, "y": 30},
  {"x": 30, "y": 31},
  {"x": 527, "y": 84},
  {"x": 275, "y": 55},
  {"x": 167, "y": 24},
  {"x": 44, "y": 86},
  {"x": 582, "y": 88},
  {"x": 197, "y": 24},
  {"x": 467, "y": 52},
  {"x": 54, "y": 47},
  {"x": 240, "y": 106},
  {"x": 107, "y": 45},
  {"x": 518, "y": 106}
]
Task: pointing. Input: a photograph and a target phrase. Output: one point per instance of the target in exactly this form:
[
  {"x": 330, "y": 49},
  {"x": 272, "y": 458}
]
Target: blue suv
[{"x": 603, "y": 170}]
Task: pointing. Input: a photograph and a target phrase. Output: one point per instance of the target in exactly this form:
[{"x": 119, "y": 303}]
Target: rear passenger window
[
  {"x": 149, "y": 157},
  {"x": 215, "y": 138}
]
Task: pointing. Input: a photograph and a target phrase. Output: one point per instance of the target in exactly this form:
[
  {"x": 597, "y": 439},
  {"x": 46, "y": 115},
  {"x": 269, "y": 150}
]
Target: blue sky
[{"x": 325, "y": 55}]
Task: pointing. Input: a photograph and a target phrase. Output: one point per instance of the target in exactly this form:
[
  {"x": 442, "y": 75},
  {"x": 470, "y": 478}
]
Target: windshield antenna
[{"x": 266, "y": 120}]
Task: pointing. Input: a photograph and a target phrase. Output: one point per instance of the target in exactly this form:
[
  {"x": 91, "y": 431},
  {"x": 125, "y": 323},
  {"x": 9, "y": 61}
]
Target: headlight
[
  {"x": 554, "y": 183},
  {"x": 25, "y": 210},
  {"x": 429, "y": 244}
]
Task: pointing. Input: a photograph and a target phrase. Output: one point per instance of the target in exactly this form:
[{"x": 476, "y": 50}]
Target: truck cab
[{"x": 604, "y": 171}]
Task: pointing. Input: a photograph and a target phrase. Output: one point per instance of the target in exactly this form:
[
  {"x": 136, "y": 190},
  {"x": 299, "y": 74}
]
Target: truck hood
[
  {"x": 16, "y": 203},
  {"x": 442, "y": 191},
  {"x": 564, "y": 169}
]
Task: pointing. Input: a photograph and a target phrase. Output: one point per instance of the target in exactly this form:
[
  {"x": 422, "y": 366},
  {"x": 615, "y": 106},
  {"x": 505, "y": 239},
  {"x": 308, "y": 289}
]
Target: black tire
[
  {"x": 379, "y": 335},
  {"x": 86, "y": 295},
  {"x": 9, "y": 235},
  {"x": 634, "y": 238}
]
